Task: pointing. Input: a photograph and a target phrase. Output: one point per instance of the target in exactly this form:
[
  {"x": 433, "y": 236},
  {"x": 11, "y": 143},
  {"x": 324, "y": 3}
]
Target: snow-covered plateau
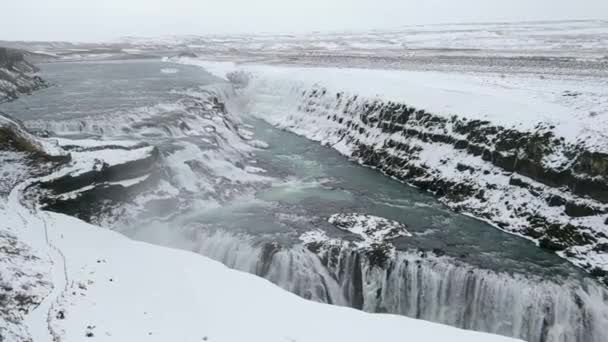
[{"x": 550, "y": 47}]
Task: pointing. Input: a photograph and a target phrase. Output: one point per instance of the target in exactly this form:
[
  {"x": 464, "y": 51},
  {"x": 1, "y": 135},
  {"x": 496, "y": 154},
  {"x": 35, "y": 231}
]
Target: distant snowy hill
[
  {"x": 550, "y": 47},
  {"x": 555, "y": 38}
]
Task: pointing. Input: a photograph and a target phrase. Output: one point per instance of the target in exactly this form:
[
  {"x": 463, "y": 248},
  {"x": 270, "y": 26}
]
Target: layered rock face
[
  {"x": 529, "y": 183},
  {"x": 17, "y": 75}
]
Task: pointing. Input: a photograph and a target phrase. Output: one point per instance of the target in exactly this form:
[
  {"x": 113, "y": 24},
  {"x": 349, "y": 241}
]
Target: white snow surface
[
  {"x": 370, "y": 228},
  {"x": 583, "y": 39},
  {"x": 94, "y": 143},
  {"x": 169, "y": 71},
  {"x": 517, "y": 102},
  {"x": 94, "y": 160}
]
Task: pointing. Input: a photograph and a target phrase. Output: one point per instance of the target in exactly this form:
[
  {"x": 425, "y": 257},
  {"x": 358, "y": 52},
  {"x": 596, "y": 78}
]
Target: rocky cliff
[{"x": 17, "y": 75}]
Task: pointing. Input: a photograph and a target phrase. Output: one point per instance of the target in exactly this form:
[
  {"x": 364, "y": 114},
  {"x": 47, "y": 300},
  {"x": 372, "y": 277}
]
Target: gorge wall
[
  {"x": 17, "y": 75},
  {"x": 528, "y": 182}
]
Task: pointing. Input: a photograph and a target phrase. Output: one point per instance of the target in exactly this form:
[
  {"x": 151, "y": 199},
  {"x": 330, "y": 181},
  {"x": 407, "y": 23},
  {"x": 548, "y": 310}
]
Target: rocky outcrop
[
  {"x": 14, "y": 136},
  {"x": 24, "y": 156},
  {"x": 114, "y": 181},
  {"x": 92, "y": 184},
  {"x": 530, "y": 183},
  {"x": 17, "y": 75},
  {"x": 90, "y": 194}
]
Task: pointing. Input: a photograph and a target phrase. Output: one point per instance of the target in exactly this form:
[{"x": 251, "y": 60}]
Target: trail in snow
[{"x": 37, "y": 321}]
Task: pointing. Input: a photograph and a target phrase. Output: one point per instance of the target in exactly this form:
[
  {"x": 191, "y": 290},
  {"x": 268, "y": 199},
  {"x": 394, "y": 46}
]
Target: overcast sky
[{"x": 95, "y": 20}]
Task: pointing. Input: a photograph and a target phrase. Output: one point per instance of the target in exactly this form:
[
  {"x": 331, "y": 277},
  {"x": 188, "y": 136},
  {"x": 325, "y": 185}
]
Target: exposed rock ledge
[
  {"x": 85, "y": 176},
  {"x": 17, "y": 75},
  {"x": 375, "y": 234}
]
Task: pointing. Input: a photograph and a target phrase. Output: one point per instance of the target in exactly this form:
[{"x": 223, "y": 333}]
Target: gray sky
[{"x": 95, "y": 20}]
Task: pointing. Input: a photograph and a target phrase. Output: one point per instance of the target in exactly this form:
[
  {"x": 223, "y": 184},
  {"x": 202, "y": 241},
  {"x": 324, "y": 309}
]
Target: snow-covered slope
[
  {"x": 529, "y": 155},
  {"x": 120, "y": 290}
]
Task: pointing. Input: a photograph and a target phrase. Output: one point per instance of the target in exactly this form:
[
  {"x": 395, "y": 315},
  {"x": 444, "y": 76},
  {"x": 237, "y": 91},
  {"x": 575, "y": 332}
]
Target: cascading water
[
  {"x": 424, "y": 286},
  {"x": 294, "y": 269},
  {"x": 440, "y": 290}
]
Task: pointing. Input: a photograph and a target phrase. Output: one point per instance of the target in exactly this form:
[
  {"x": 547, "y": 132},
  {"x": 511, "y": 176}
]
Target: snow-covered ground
[
  {"x": 557, "y": 37},
  {"x": 547, "y": 48}
]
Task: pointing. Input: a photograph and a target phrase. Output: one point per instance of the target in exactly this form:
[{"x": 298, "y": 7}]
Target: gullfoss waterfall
[{"x": 215, "y": 179}]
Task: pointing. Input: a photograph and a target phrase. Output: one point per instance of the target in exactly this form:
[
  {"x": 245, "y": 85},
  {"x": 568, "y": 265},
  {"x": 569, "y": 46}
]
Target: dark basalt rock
[
  {"x": 559, "y": 237},
  {"x": 594, "y": 164},
  {"x": 102, "y": 197},
  {"x": 15, "y": 137},
  {"x": 574, "y": 209},
  {"x": 378, "y": 255},
  {"x": 519, "y": 182},
  {"x": 556, "y": 201},
  {"x": 187, "y": 54},
  {"x": 265, "y": 261},
  {"x": 105, "y": 173},
  {"x": 439, "y": 252},
  {"x": 19, "y": 73},
  {"x": 602, "y": 248},
  {"x": 462, "y": 168},
  {"x": 99, "y": 200}
]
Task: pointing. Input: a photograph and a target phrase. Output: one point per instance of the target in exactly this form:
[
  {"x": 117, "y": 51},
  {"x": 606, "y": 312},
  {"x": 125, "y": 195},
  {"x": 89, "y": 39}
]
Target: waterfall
[
  {"x": 441, "y": 290},
  {"x": 295, "y": 269},
  {"x": 421, "y": 285}
]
